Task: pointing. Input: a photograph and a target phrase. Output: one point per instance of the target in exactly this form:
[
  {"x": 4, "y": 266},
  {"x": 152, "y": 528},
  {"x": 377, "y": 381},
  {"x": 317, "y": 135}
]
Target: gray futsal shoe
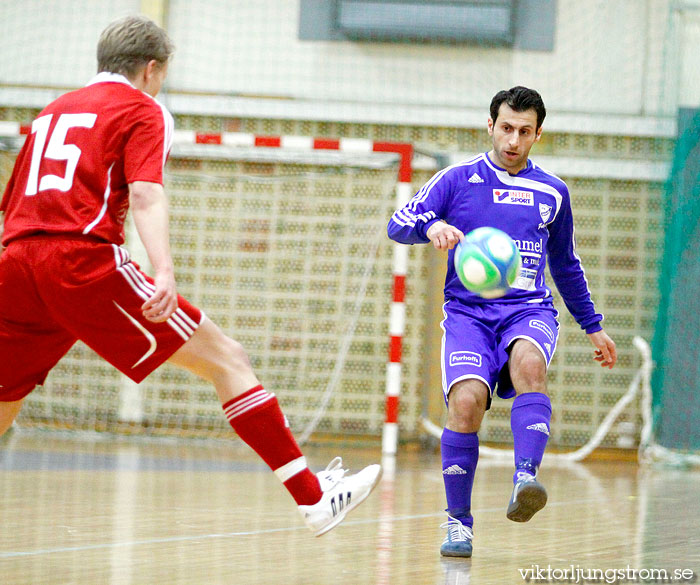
[
  {"x": 528, "y": 497},
  {"x": 458, "y": 541}
]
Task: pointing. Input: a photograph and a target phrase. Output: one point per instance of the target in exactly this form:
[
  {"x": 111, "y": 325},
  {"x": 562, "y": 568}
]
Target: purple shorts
[{"x": 477, "y": 339}]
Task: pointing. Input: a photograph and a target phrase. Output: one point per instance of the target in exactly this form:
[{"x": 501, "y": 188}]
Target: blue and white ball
[{"x": 487, "y": 262}]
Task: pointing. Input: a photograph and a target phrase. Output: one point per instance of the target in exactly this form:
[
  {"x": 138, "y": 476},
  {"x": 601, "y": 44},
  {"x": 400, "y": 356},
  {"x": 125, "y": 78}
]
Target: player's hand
[
  {"x": 605, "y": 352},
  {"x": 444, "y": 236},
  {"x": 163, "y": 302}
]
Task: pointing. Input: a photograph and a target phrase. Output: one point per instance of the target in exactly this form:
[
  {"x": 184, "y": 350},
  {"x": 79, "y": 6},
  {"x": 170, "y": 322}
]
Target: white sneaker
[{"x": 341, "y": 494}]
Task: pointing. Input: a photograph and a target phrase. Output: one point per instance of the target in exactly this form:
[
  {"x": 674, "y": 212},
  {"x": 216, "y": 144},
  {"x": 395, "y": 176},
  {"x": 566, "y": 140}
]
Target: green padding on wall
[{"x": 676, "y": 348}]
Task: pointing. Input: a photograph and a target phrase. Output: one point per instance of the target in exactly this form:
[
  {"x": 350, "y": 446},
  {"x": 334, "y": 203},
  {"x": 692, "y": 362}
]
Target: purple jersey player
[{"x": 502, "y": 344}]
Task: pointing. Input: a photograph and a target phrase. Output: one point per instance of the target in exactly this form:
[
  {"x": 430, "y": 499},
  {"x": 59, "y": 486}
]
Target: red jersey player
[{"x": 64, "y": 274}]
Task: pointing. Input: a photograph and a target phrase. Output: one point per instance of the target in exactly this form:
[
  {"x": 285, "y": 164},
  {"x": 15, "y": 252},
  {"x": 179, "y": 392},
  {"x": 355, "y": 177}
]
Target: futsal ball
[{"x": 487, "y": 262}]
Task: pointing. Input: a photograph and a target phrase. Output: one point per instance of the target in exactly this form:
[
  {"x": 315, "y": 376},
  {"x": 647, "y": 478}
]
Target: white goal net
[{"x": 287, "y": 252}]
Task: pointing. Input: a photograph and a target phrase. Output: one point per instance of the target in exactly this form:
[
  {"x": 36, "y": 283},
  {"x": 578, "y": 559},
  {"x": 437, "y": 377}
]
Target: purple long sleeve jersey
[{"x": 533, "y": 207}]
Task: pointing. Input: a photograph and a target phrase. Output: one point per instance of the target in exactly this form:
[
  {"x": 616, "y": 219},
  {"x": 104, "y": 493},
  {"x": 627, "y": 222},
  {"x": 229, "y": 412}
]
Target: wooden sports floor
[{"x": 120, "y": 512}]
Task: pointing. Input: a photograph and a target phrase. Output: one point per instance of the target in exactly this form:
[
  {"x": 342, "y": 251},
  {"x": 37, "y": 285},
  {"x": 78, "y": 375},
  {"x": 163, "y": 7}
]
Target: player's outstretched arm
[
  {"x": 149, "y": 206},
  {"x": 444, "y": 236},
  {"x": 605, "y": 352}
]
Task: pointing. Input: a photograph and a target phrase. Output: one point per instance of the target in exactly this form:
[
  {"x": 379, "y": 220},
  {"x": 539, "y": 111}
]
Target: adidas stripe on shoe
[{"x": 341, "y": 494}]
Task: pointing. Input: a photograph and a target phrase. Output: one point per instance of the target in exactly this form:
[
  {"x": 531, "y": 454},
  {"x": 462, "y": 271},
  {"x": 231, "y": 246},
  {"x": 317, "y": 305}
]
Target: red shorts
[{"x": 56, "y": 290}]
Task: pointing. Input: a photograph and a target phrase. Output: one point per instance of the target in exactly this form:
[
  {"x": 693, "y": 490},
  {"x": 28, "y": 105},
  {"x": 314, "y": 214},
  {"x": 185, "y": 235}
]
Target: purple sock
[
  {"x": 460, "y": 454},
  {"x": 529, "y": 421}
]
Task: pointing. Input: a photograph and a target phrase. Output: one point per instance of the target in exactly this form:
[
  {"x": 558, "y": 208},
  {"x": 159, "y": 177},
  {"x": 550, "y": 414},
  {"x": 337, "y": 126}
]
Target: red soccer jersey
[{"x": 72, "y": 175}]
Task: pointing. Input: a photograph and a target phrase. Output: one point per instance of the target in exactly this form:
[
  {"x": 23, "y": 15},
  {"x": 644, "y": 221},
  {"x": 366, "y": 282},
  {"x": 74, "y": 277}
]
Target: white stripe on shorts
[{"x": 179, "y": 321}]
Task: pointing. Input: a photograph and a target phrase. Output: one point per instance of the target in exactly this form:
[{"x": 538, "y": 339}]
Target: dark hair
[
  {"x": 130, "y": 43},
  {"x": 520, "y": 99}
]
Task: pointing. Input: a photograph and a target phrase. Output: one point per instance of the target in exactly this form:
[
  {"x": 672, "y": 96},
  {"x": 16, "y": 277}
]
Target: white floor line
[{"x": 110, "y": 545}]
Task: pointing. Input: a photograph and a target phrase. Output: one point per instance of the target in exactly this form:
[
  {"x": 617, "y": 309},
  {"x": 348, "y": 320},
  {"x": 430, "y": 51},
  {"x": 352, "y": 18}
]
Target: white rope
[{"x": 645, "y": 439}]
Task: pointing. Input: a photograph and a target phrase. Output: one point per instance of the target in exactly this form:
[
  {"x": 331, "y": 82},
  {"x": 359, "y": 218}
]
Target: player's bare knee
[
  {"x": 527, "y": 360},
  {"x": 466, "y": 407},
  {"x": 235, "y": 356},
  {"x": 532, "y": 365},
  {"x": 529, "y": 374},
  {"x": 463, "y": 402},
  {"x": 215, "y": 357},
  {"x": 226, "y": 358}
]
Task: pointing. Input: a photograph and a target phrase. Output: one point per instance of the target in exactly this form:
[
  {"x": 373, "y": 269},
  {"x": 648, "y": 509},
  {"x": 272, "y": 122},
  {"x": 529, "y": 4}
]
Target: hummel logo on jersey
[
  {"x": 454, "y": 470},
  {"x": 475, "y": 179},
  {"x": 541, "y": 427}
]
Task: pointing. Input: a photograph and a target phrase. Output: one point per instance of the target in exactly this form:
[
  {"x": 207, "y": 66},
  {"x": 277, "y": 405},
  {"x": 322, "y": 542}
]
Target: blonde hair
[{"x": 129, "y": 43}]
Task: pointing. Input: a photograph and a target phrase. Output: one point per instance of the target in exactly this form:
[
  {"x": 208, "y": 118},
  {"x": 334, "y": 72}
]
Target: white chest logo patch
[
  {"x": 513, "y": 197},
  {"x": 545, "y": 211}
]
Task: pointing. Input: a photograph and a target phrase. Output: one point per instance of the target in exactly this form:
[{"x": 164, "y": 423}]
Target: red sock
[{"x": 257, "y": 418}]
